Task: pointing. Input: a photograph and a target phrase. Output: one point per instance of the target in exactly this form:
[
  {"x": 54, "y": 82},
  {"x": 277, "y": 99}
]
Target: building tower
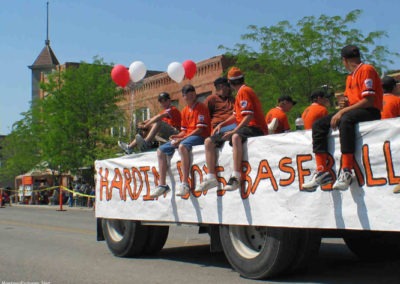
[{"x": 45, "y": 63}]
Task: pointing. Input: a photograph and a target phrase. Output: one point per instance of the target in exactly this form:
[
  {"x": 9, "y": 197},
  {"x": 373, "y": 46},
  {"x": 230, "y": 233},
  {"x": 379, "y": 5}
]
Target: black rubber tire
[
  {"x": 309, "y": 243},
  {"x": 156, "y": 238},
  {"x": 375, "y": 245},
  {"x": 259, "y": 252},
  {"x": 125, "y": 238}
]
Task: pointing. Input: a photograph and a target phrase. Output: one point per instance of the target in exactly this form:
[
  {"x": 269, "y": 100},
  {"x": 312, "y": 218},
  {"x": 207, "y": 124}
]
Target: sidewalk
[{"x": 51, "y": 207}]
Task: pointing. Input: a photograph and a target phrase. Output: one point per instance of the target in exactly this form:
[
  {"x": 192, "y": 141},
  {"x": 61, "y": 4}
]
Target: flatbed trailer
[{"x": 270, "y": 226}]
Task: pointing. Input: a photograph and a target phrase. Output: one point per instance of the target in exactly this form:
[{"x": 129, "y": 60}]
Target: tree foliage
[
  {"x": 70, "y": 126},
  {"x": 295, "y": 60}
]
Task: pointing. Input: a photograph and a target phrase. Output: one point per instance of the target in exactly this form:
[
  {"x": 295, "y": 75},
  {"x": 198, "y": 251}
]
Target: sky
[{"x": 156, "y": 32}]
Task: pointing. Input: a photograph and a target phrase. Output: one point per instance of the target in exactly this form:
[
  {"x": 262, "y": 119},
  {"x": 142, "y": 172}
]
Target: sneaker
[
  {"x": 206, "y": 184},
  {"x": 233, "y": 184},
  {"x": 396, "y": 189},
  {"x": 141, "y": 143},
  {"x": 159, "y": 190},
  {"x": 317, "y": 179},
  {"x": 182, "y": 190},
  {"x": 124, "y": 146},
  {"x": 344, "y": 180}
]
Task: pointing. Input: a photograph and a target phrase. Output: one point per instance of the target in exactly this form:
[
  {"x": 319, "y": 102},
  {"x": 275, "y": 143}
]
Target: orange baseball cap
[{"x": 235, "y": 73}]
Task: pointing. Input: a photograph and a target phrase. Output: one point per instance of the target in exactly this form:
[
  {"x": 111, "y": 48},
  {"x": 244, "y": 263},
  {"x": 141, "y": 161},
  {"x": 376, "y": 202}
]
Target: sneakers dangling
[
  {"x": 344, "y": 180},
  {"x": 317, "y": 179},
  {"x": 141, "y": 143},
  {"x": 159, "y": 190},
  {"x": 182, "y": 190},
  {"x": 396, "y": 189},
  {"x": 124, "y": 146},
  {"x": 206, "y": 184},
  {"x": 233, "y": 184}
]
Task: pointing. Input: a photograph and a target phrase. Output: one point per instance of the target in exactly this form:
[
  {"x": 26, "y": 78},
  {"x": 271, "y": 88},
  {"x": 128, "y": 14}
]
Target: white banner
[{"x": 275, "y": 166}]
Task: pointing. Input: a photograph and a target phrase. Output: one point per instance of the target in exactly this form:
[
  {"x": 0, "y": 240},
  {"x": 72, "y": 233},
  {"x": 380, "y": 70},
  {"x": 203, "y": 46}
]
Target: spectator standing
[
  {"x": 364, "y": 93},
  {"x": 164, "y": 124},
  {"x": 195, "y": 127}
]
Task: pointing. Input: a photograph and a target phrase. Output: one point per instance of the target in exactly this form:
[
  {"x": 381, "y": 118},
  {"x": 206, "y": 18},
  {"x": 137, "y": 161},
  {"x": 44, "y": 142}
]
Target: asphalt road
[{"x": 43, "y": 245}]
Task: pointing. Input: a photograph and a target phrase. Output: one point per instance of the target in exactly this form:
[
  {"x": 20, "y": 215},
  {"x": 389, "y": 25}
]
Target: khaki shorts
[{"x": 166, "y": 130}]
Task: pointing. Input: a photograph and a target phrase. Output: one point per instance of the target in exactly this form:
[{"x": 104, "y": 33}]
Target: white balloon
[
  {"x": 176, "y": 71},
  {"x": 137, "y": 71}
]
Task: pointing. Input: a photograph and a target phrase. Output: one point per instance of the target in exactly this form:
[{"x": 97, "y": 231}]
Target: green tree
[
  {"x": 76, "y": 115},
  {"x": 20, "y": 152},
  {"x": 70, "y": 126},
  {"x": 295, "y": 60}
]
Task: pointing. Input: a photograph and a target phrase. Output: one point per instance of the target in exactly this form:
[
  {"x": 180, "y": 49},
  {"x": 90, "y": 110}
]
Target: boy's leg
[
  {"x": 185, "y": 148},
  {"x": 155, "y": 127},
  {"x": 347, "y": 135}
]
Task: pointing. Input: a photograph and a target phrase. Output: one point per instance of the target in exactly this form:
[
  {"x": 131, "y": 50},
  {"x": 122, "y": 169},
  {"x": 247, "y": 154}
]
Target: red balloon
[
  {"x": 120, "y": 75},
  {"x": 190, "y": 68}
]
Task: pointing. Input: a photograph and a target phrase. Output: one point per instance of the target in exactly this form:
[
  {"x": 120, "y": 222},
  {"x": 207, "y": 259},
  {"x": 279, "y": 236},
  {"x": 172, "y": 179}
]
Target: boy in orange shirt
[
  {"x": 276, "y": 118},
  {"x": 317, "y": 109},
  {"x": 195, "y": 127},
  {"x": 364, "y": 93},
  {"x": 391, "y": 102},
  {"x": 165, "y": 124}
]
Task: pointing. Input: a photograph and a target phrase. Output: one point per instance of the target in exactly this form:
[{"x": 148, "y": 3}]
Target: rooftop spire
[{"x": 47, "y": 41}]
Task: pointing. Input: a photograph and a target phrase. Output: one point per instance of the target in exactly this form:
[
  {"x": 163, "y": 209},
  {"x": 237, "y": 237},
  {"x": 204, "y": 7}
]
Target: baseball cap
[
  {"x": 221, "y": 81},
  {"x": 235, "y": 73},
  {"x": 163, "y": 96},
  {"x": 350, "y": 51},
  {"x": 389, "y": 82},
  {"x": 286, "y": 98},
  {"x": 319, "y": 93},
  {"x": 188, "y": 88}
]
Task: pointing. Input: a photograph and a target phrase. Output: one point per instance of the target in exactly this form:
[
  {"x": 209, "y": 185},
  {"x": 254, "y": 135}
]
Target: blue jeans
[{"x": 188, "y": 142}]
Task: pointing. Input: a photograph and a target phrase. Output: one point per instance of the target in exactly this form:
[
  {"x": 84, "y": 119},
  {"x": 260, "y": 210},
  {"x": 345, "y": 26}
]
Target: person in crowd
[
  {"x": 195, "y": 127},
  {"x": 276, "y": 117},
  {"x": 164, "y": 124},
  {"x": 364, "y": 93},
  {"x": 220, "y": 106},
  {"x": 249, "y": 117},
  {"x": 318, "y": 108},
  {"x": 391, "y": 102}
]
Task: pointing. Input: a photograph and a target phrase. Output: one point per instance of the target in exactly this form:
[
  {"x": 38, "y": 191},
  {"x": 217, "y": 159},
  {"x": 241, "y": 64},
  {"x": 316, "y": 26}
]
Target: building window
[{"x": 202, "y": 96}]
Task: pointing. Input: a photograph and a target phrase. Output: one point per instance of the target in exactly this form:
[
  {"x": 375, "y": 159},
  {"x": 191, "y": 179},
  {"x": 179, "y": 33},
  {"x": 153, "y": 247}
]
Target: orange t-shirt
[
  {"x": 247, "y": 103},
  {"x": 220, "y": 109},
  {"x": 312, "y": 113},
  {"x": 173, "y": 117},
  {"x": 280, "y": 115},
  {"x": 391, "y": 106},
  {"x": 194, "y": 117},
  {"x": 363, "y": 82}
]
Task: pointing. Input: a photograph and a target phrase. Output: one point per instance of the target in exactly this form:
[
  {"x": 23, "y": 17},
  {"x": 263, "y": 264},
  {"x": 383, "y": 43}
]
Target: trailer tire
[
  {"x": 258, "y": 252},
  {"x": 156, "y": 238},
  {"x": 374, "y": 245},
  {"x": 125, "y": 238},
  {"x": 309, "y": 243}
]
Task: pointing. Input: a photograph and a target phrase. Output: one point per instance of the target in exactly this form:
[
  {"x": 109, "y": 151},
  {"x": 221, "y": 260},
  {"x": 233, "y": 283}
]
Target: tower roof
[{"x": 46, "y": 58}]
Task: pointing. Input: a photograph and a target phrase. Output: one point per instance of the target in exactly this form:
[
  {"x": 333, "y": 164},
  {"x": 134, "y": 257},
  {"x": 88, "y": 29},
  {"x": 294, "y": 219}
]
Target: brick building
[{"x": 141, "y": 103}]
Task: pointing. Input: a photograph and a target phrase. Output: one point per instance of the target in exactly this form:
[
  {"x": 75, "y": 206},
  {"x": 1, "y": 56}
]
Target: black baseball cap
[
  {"x": 388, "y": 83},
  {"x": 188, "y": 88},
  {"x": 221, "y": 81},
  {"x": 286, "y": 98},
  {"x": 163, "y": 96},
  {"x": 319, "y": 93},
  {"x": 350, "y": 51}
]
